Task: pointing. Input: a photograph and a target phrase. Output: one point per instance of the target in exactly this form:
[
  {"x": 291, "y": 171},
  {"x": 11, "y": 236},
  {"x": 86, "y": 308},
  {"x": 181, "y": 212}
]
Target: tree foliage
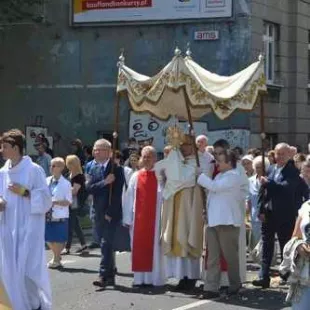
[{"x": 14, "y": 11}]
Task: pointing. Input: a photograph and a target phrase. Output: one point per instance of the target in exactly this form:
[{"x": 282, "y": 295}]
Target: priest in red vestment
[{"x": 141, "y": 213}]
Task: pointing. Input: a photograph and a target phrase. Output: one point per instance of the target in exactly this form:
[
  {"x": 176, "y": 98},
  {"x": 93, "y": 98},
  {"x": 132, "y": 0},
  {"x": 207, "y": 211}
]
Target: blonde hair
[
  {"x": 259, "y": 160},
  {"x": 58, "y": 161},
  {"x": 74, "y": 162}
]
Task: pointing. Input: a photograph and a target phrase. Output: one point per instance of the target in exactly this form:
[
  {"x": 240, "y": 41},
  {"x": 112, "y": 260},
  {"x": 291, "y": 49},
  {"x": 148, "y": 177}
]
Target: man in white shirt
[{"x": 225, "y": 217}]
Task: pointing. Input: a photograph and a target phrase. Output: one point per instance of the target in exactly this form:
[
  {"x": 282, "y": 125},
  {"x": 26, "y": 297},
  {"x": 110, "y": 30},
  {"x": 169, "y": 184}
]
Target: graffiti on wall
[{"x": 145, "y": 128}]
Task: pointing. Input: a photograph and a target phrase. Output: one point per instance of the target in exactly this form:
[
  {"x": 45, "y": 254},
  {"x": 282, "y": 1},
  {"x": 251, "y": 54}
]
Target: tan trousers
[{"x": 225, "y": 239}]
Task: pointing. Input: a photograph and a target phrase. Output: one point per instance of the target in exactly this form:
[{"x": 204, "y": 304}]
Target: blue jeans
[
  {"x": 303, "y": 303},
  {"x": 106, "y": 233}
]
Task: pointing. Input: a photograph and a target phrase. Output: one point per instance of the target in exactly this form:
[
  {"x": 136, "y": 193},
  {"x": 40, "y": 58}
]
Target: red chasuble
[
  {"x": 223, "y": 263},
  {"x": 144, "y": 222}
]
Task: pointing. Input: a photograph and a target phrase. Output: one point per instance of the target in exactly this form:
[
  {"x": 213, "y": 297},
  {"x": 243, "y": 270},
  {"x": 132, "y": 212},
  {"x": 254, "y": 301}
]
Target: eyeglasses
[{"x": 54, "y": 166}]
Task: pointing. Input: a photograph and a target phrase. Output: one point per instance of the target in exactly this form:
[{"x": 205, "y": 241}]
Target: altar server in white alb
[
  {"x": 142, "y": 213},
  {"x": 24, "y": 200}
]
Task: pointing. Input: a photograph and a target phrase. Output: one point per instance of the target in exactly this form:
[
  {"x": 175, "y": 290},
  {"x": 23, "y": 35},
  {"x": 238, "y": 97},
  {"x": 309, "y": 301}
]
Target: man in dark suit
[
  {"x": 108, "y": 212},
  {"x": 278, "y": 211}
]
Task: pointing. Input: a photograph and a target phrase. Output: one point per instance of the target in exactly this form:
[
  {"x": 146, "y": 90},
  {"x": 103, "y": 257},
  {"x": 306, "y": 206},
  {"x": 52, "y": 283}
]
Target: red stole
[
  {"x": 223, "y": 263},
  {"x": 144, "y": 222}
]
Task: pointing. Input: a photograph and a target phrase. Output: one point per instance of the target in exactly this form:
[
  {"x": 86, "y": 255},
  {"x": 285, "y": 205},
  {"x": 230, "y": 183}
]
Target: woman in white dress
[{"x": 300, "y": 295}]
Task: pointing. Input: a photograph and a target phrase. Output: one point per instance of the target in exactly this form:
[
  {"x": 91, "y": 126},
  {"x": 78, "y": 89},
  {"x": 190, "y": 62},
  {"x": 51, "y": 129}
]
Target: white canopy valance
[{"x": 183, "y": 80}]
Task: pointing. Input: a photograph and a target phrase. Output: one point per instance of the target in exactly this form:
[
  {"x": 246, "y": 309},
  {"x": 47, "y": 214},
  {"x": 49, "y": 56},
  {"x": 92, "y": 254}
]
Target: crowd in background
[{"x": 277, "y": 195}]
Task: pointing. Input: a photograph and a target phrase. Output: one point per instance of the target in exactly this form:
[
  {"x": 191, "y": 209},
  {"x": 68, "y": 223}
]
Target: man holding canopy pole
[{"x": 188, "y": 91}]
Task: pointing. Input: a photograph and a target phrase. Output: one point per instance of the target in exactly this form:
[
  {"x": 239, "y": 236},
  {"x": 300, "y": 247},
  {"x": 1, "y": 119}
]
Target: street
[{"x": 73, "y": 289}]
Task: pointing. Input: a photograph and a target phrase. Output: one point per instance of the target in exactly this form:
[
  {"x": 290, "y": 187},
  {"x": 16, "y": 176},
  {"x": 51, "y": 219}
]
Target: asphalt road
[{"x": 73, "y": 289}]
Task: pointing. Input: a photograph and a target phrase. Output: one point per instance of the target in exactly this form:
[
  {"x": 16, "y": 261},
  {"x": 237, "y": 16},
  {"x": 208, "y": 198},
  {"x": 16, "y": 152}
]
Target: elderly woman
[
  {"x": 56, "y": 230},
  {"x": 252, "y": 200},
  {"x": 247, "y": 163}
]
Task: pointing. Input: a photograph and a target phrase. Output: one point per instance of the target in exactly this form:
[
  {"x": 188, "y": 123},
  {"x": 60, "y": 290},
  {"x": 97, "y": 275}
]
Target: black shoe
[
  {"x": 37, "y": 308},
  {"x": 181, "y": 285},
  {"x": 94, "y": 245},
  {"x": 190, "y": 284},
  {"x": 209, "y": 295},
  {"x": 263, "y": 283},
  {"x": 103, "y": 283}
]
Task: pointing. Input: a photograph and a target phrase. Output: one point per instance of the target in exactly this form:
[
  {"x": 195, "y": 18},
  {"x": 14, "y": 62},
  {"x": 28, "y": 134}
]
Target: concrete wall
[
  {"x": 68, "y": 75},
  {"x": 290, "y": 116}
]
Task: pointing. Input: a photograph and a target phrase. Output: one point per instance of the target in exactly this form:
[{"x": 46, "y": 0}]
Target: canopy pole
[
  {"x": 262, "y": 130},
  {"x": 115, "y": 136},
  {"x": 191, "y": 126}
]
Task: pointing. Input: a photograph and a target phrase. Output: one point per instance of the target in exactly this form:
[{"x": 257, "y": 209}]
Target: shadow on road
[
  {"x": 132, "y": 290},
  {"x": 257, "y": 299},
  {"x": 77, "y": 270}
]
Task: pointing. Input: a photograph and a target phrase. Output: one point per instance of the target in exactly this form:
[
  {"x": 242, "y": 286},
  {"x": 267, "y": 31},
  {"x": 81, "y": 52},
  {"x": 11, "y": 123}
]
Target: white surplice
[
  {"x": 23, "y": 268},
  {"x": 157, "y": 276}
]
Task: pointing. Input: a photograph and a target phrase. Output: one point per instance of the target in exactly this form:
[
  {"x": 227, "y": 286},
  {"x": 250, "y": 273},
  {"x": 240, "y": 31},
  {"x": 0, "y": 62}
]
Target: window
[
  {"x": 274, "y": 95},
  {"x": 271, "y": 39}
]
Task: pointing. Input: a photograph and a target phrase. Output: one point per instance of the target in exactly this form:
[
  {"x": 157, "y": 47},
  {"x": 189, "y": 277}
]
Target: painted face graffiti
[{"x": 144, "y": 130}]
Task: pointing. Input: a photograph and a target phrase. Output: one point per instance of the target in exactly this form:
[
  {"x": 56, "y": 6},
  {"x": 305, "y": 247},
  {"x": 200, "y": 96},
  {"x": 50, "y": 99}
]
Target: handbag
[{"x": 257, "y": 253}]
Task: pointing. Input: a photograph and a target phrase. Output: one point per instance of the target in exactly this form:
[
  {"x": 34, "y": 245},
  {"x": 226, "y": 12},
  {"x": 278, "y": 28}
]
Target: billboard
[{"x": 143, "y": 11}]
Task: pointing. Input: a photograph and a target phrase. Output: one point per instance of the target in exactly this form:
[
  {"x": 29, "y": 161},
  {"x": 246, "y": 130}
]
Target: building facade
[
  {"x": 282, "y": 30},
  {"x": 62, "y": 77}
]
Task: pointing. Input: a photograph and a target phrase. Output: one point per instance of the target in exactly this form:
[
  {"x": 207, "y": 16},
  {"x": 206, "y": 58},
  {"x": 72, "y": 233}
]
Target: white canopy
[{"x": 183, "y": 80}]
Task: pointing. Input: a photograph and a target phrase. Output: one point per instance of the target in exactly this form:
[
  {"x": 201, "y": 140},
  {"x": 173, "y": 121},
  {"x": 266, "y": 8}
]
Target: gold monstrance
[{"x": 175, "y": 136}]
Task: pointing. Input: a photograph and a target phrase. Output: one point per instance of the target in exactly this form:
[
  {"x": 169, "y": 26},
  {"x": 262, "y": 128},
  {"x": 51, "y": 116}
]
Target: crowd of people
[{"x": 191, "y": 215}]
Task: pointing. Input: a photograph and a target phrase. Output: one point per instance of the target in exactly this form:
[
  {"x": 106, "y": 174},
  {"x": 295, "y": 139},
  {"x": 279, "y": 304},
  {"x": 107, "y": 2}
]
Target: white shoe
[{"x": 54, "y": 265}]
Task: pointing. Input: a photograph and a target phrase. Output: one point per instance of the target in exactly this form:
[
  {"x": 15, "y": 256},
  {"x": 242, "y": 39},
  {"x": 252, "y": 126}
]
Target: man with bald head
[
  {"x": 278, "y": 210},
  {"x": 206, "y": 159},
  {"x": 142, "y": 214}
]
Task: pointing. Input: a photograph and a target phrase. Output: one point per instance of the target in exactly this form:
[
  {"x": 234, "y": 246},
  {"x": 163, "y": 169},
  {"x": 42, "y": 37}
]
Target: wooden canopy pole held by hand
[
  {"x": 262, "y": 130},
  {"x": 116, "y": 125},
  {"x": 191, "y": 125}
]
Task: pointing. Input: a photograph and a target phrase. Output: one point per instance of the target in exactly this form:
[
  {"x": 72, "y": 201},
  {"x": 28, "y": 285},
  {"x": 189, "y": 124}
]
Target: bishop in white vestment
[
  {"x": 25, "y": 199},
  {"x": 141, "y": 213},
  {"x": 182, "y": 215}
]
